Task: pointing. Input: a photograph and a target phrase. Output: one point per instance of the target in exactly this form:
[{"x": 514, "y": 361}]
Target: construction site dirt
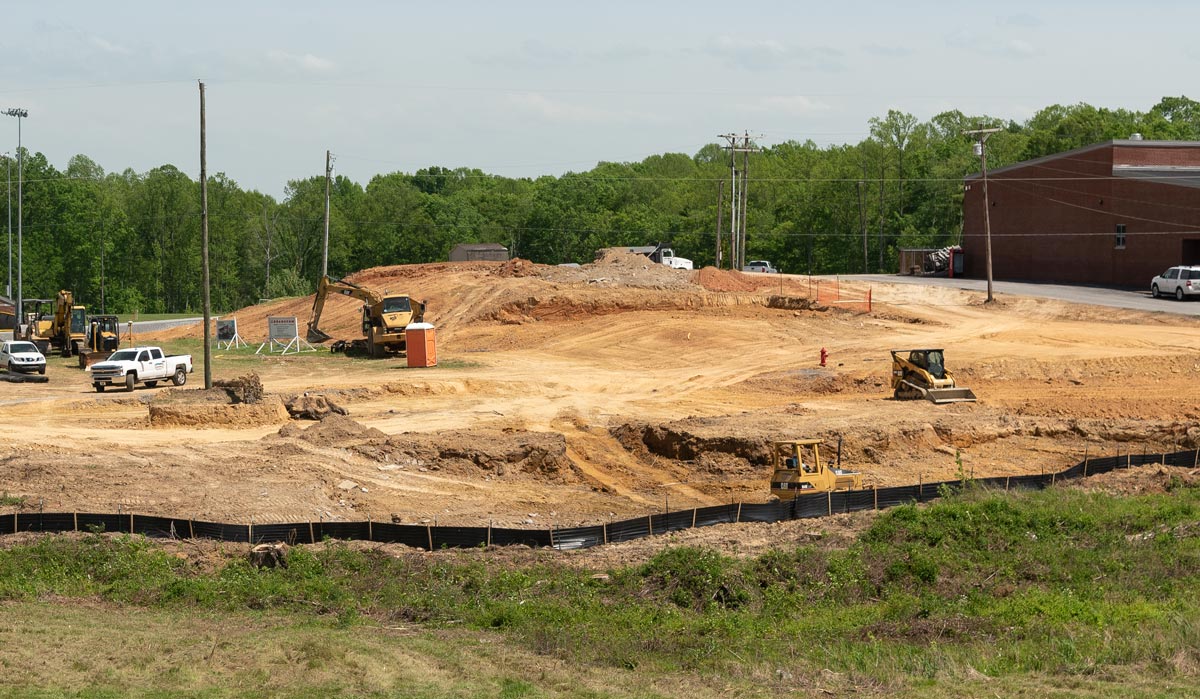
[{"x": 577, "y": 395}]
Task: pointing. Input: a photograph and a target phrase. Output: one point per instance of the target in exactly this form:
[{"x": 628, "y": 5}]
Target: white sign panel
[{"x": 282, "y": 329}]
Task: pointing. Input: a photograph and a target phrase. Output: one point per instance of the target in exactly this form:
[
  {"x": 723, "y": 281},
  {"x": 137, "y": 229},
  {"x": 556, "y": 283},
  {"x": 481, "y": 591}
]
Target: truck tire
[
  {"x": 42, "y": 369},
  {"x": 99, "y": 387},
  {"x": 130, "y": 380},
  {"x": 180, "y": 377}
]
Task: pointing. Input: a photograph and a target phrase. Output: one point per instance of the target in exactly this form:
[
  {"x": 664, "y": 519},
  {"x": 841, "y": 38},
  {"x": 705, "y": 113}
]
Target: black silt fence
[{"x": 809, "y": 505}]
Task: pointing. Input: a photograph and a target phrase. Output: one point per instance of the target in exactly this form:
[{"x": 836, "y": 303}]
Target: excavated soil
[{"x": 577, "y": 395}]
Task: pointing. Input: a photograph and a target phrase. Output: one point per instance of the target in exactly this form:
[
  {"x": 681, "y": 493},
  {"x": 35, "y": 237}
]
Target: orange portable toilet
[{"x": 422, "y": 345}]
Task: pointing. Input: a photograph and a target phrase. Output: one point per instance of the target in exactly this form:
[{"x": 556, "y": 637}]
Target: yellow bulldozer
[
  {"x": 922, "y": 373},
  {"x": 384, "y": 317},
  {"x": 102, "y": 339},
  {"x": 799, "y": 469}
]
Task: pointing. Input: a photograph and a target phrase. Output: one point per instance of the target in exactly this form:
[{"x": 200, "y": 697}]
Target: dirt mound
[
  {"x": 620, "y": 268},
  {"x": 517, "y": 267},
  {"x": 335, "y": 430},
  {"x": 213, "y": 414},
  {"x": 311, "y": 407},
  {"x": 243, "y": 389},
  {"x": 715, "y": 279}
]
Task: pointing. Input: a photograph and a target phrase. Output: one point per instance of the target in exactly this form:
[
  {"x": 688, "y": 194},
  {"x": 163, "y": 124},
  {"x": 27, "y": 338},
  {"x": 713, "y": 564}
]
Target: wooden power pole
[
  {"x": 204, "y": 247},
  {"x": 325, "y": 244}
]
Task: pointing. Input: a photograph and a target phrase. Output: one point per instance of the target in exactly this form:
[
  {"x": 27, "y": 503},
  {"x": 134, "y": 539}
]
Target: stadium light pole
[
  {"x": 19, "y": 114},
  {"x": 981, "y": 150}
]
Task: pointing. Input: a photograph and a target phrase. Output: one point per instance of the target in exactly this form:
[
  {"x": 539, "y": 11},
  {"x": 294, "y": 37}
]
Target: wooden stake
[
  {"x": 739, "y": 513},
  {"x": 312, "y": 536},
  {"x": 370, "y": 530},
  {"x": 489, "y": 540},
  {"x": 605, "y": 525},
  {"x": 75, "y": 517},
  {"x": 429, "y": 533},
  {"x": 693, "y": 518}
]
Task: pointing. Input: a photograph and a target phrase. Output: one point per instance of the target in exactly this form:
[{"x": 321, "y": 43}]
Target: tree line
[{"x": 131, "y": 241}]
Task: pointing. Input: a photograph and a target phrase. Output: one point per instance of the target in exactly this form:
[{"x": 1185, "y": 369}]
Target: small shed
[{"x": 472, "y": 252}]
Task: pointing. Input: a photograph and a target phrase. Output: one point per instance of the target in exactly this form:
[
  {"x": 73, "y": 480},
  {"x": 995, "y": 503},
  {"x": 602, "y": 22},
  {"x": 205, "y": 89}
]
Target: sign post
[
  {"x": 227, "y": 335},
  {"x": 283, "y": 336}
]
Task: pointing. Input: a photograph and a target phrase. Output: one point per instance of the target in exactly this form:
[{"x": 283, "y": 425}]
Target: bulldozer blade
[{"x": 950, "y": 395}]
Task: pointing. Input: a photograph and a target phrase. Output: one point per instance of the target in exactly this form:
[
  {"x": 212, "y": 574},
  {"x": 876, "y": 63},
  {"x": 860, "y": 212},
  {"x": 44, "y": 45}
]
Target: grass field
[{"x": 1054, "y": 593}]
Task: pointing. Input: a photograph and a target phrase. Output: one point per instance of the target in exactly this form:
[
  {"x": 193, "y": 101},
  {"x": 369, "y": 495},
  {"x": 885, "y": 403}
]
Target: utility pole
[
  {"x": 862, "y": 222},
  {"x": 325, "y": 245},
  {"x": 982, "y": 135},
  {"x": 720, "y": 203},
  {"x": 8, "y": 290},
  {"x": 739, "y": 198},
  {"x": 204, "y": 246}
]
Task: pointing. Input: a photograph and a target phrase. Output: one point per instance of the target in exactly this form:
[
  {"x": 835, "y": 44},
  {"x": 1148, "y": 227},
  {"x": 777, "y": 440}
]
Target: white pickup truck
[
  {"x": 760, "y": 266},
  {"x": 148, "y": 365}
]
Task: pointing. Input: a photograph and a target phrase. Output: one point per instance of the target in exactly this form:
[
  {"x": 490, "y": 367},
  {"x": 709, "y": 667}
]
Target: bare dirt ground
[{"x": 567, "y": 396}]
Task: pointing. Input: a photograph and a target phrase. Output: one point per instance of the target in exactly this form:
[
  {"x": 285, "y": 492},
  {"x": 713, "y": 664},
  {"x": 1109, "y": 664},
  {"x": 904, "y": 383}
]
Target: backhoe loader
[
  {"x": 923, "y": 374},
  {"x": 798, "y": 469},
  {"x": 383, "y": 318}
]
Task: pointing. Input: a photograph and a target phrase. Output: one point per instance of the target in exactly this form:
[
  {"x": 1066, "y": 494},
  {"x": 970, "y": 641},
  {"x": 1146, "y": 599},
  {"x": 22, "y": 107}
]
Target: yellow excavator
[
  {"x": 56, "y": 323},
  {"x": 799, "y": 469},
  {"x": 384, "y": 317},
  {"x": 922, "y": 373}
]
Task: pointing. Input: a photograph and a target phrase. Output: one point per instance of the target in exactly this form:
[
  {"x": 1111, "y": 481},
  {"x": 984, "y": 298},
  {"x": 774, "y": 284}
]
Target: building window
[{"x": 1120, "y": 236}]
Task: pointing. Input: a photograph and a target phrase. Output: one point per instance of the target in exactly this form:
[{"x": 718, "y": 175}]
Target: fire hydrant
[{"x": 824, "y": 356}]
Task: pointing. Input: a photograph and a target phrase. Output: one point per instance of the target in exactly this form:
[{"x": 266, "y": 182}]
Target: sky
[{"x": 525, "y": 88}]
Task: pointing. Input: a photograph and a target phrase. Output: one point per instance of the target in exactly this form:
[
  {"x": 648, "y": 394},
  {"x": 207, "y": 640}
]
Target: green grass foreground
[{"x": 1053, "y": 593}]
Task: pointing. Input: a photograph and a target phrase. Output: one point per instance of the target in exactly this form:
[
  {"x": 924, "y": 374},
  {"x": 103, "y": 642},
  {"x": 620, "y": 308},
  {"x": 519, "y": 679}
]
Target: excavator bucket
[
  {"x": 949, "y": 395},
  {"x": 315, "y": 335}
]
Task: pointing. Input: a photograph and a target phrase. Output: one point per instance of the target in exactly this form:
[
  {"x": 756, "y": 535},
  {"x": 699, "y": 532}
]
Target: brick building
[{"x": 1114, "y": 214}]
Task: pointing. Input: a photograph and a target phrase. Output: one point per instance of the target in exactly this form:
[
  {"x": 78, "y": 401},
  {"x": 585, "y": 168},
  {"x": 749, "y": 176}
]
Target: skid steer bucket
[{"x": 950, "y": 395}]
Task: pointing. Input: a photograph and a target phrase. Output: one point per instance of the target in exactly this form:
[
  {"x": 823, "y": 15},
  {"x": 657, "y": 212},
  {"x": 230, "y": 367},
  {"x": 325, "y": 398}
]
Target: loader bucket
[{"x": 950, "y": 395}]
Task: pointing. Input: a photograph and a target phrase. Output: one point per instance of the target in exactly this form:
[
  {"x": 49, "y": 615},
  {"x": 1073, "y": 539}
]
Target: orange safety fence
[{"x": 832, "y": 292}]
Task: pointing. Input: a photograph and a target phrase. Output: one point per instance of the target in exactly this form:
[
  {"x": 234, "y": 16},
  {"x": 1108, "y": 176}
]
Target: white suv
[
  {"x": 20, "y": 356},
  {"x": 1179, "y": 282}
]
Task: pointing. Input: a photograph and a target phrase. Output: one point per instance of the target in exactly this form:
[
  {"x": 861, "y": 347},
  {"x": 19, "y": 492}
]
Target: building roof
[
  {"x": 480, "y": 246},
  {"x": 1118, "y": 169}
]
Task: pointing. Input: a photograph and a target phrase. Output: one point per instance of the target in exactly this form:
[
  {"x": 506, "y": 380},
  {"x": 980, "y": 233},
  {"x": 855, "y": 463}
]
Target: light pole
[
  {"x": 8, "y": 289},
  {"x": 981, "y": 150},
  {"x": 19, "y": 114}
]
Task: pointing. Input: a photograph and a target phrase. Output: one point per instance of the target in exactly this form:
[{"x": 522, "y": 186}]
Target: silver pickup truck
[{"x": 147, "y": 365}]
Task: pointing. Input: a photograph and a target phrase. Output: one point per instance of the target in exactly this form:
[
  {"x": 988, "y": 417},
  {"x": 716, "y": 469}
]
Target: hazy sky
[{"x": 531, "y": 88}]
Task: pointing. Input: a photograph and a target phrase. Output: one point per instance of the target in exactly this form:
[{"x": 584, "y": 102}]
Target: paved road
[
  {"x": 141, "y": 326},
  {"x": 1098, "y": 296}
]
